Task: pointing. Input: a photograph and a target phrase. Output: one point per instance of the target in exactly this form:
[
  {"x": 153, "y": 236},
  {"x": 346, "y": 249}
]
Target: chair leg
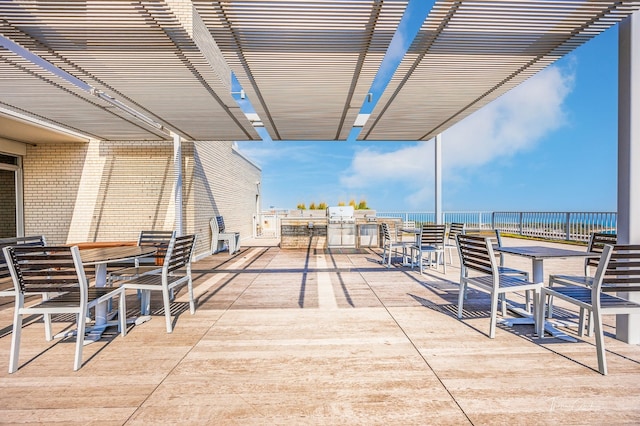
[
  {"x": 539, "y": 322},
  {"x": 167, "y": 309},
  {"x": 503, "y": 304},
  {"x": 461, "y": 297},
  {"x": 122, "y": 313},
  {"x": 48, "y": 333},
  {"x": 145, "y": 302},
  {"x": 494, "y": 315},
  {"x": 15, "y": 341},
  {"x": 82, "y": 318},
  {"x": 581, "y": 322},
  {"x": 192, "y": 303},
  {"x": 550, "y": 306},
  {"x": 536, "y": 308},
  {"x": 602, "y": 359}
]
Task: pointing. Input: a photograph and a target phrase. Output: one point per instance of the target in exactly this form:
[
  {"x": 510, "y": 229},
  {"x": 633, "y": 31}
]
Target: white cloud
[{"x": 512, "y": 123}]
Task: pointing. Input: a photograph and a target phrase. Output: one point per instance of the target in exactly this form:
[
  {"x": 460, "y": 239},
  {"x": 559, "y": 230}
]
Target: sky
[{"x": 548, "y": 145}]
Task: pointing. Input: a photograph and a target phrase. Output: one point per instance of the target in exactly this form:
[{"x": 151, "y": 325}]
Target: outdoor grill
[{"x": 341, "y": 226}]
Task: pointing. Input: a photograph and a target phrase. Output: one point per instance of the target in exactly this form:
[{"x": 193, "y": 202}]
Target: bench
[
  {"x": 219, "y": 235},
  {"x": 6, "y": 283}
]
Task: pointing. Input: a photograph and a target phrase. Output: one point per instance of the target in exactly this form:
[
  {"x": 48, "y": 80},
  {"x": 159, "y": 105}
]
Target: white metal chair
[
  {"x": 176, "y": 271},
  {"x": 429, "y": 243},
  {"x": 220, "y": 235},
  {"x": 158, "y": 239},
  {"x": 54, "y": 270},
  {"x": 451, "y": 244},
  {"x": 479, "y": 268},
  {"x": 618, "y": 271},
  {"x": 597, "y": 241},
  {"x": 391, "y": 245},
  {"x": 496, "y": 241}
]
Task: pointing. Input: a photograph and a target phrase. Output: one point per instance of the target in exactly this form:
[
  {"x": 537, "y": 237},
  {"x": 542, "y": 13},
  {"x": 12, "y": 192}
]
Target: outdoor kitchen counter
[
  {"x": 295, "y": 232},
  {"x": 303, "y": 232}
]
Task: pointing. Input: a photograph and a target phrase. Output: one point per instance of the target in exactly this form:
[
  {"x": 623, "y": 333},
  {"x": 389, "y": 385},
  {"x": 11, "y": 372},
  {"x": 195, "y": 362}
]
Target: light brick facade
[{"x": 106, "y": 191}]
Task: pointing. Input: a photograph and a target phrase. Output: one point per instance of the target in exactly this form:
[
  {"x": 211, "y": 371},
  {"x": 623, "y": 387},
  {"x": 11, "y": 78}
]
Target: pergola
[
  {"x": 154, "y": 70},
  {"x": 305, "y": 66}
]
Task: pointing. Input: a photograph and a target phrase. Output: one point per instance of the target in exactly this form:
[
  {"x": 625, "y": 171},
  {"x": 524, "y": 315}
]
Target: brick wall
[
  {"x": 223, "y": 184},
  {"x": 107, "y": 191}
]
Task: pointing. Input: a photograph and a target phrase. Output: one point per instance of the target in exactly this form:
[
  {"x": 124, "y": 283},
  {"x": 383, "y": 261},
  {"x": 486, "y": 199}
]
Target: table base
[
  {"x": 93, "y": 333},
  {"x": 526, "y": 318}
]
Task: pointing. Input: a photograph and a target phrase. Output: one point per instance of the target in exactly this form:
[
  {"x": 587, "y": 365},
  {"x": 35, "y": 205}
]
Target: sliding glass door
[{"x": 11, "y": 213}]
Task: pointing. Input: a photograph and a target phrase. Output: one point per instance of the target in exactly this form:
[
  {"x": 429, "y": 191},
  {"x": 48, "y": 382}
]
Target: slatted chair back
[
  {"x": 220, "y": 223},
  {"x": 476, "y": 253},
  {"x": 157, "y": 239},
  {"x": 432, "y": 235},
  {"x": 179, "y": 253},
  {"x": 496, "y": 240},
  {"x": 386, "y": 233},
  {"x": 622, "y": 272},
  {"x": 455, "y": 228},
  {"x": 47, "y": 269},
  {"x": 5, "y": 275},
  {"x": 597, "y": 241}
]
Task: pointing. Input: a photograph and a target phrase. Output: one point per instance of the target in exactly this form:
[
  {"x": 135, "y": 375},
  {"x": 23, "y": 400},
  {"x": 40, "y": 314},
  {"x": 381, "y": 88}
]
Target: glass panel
[
  {"x": 8, "y": 159},
  {"x": 8, "y": 226}
]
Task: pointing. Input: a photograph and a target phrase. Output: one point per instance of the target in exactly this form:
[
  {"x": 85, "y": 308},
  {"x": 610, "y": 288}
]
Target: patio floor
[{"x": 297, "y": 337}]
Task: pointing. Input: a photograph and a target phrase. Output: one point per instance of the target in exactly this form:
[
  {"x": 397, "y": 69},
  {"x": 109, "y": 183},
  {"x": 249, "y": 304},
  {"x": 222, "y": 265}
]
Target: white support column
[
  {"x": 628, "y": 326},
  {"x": 438, "y": 180},
  {"x": 177, "y": 168}
]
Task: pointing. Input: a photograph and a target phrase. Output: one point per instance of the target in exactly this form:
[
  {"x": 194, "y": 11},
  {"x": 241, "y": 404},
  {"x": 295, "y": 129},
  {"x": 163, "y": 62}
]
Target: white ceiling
[{"x": 306, "y": 66}]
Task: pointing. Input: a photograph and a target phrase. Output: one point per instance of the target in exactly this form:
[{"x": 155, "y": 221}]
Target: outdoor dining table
[
  {"x": 538, "y": 254},
  {"x": 100, "y": 257}
]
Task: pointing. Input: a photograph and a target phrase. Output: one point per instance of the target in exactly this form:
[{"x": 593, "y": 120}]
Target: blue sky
[{"x": 548, "y": 145}]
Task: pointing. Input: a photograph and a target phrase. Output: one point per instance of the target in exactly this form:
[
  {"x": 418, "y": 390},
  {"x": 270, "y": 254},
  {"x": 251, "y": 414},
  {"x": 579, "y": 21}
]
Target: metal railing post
[{"x": 520, "y": 224}]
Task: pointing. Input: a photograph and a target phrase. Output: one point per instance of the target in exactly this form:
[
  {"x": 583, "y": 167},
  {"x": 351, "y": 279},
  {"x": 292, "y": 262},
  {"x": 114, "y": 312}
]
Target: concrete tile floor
[{"x": 290, "y": 337}]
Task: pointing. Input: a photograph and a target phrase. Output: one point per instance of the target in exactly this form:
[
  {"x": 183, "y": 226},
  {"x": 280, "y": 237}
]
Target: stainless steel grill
[
  {"x": 341, "y": 214},
  {"x": 341, "y": 226}
]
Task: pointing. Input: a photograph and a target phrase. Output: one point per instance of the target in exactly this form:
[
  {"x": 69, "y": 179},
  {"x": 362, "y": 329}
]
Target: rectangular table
[{"x": 538, "y": 254}]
